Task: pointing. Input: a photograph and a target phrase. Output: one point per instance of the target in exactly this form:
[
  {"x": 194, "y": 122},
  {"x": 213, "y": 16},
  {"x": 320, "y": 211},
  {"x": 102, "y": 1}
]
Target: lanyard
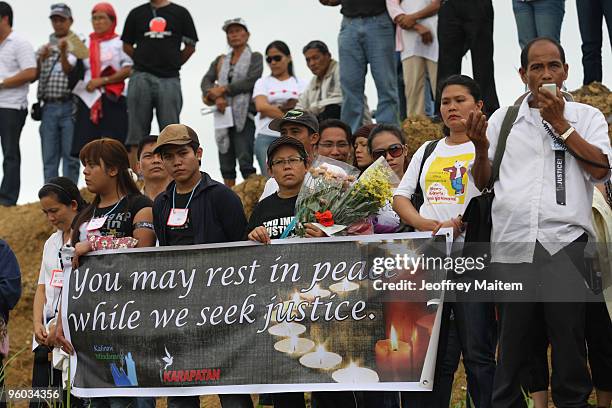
[
  {"x": 190, "y": 197},
  {"x": 111, "y": 210},
  {"x": 560, "y": 176}
]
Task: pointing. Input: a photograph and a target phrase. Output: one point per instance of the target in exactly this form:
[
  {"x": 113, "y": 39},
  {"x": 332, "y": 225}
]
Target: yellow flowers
[{"x": 375, "y": 185}]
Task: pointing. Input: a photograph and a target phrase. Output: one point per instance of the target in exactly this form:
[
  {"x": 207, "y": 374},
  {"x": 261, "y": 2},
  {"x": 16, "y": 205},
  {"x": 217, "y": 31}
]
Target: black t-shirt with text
[
  {"x": 274, "y": 213},
  {"x": 184, "y": 234},
  {"x": 120, "y": 222},
  {"x": 158, "y": 34},
  {"x": 363, "y": 8}
]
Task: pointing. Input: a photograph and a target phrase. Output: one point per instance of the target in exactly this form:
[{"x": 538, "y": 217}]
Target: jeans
[
  {"x": 538, "y": 18},
  {"x": 468, "y": 25},
  {"x": 363, "y": 41},
  {"x": 56, "y": 133},
  {"x": 145, "y": 93},
  {"x": 430, "y": 101},
  {"x": 261, "y": 151},
  {"x": 590, "y": 15},
  {"x": 241, "y": 149},
  {"x": 227, "y": 401},
  {"x": 11, "y": 123}
]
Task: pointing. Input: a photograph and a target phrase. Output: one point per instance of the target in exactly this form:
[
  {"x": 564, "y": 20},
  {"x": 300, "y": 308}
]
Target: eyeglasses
[
  {"x": 275, "y": 58},
  {"x": 395, "y": 150},
  {"x": 292, "y": 161},
  {"x": 330, "y": 145}
]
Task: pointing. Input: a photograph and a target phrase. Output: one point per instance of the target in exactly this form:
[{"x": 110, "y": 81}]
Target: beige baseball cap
[{"x": 176, "y": 134}]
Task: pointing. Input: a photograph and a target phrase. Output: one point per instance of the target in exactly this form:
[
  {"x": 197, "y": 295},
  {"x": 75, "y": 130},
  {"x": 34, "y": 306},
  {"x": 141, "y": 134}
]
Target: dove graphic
[{"x": 168, "y": 359}]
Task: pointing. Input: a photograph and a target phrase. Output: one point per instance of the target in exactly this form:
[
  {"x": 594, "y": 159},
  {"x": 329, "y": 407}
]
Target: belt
[{"x": 56, "y": 100}]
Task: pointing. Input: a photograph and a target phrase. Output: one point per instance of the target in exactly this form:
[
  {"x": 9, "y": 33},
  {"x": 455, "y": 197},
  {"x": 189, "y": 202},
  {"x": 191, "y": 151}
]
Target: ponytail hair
[{"x": 112, "y": 154}]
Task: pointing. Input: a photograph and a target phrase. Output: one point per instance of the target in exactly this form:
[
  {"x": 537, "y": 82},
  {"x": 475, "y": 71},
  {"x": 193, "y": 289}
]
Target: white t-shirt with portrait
[
  {"x": 446, "y": 180},
  {"x": 277, "y": 92}
]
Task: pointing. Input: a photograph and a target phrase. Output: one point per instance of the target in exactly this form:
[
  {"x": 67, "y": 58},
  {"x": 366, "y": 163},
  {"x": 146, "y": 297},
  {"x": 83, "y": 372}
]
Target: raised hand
[{"x": 476, "y": 128}]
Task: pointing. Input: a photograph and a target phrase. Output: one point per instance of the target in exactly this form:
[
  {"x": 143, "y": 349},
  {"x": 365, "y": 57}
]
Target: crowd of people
[{"x": 552, "y": 188}]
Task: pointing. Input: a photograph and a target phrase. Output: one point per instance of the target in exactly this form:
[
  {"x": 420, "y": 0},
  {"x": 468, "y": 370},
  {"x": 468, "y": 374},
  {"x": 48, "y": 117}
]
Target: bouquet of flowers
[{"x": 333, "y": 198}]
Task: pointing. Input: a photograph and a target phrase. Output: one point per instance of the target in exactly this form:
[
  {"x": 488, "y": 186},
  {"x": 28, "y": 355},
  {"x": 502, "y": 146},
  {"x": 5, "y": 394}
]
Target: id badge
[
  {"x": 177, "y": 217},
  {"x": 96, "y": 223},
  {"x": 57, "y": 278}
]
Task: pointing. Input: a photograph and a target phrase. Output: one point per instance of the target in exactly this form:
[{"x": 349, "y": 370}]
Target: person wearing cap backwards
[
  {"x": 194, "y": 209},
  {"x": 229, "y": 82},
  {"x": 152, "y": 36},
  {"x": 55, "y": 61}
]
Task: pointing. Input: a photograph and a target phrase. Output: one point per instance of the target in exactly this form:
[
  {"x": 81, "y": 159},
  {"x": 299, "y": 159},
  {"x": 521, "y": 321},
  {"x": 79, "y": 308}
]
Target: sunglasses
[
  {"x": 275, "y": 58},
  {"x": 395, "y": 150}
]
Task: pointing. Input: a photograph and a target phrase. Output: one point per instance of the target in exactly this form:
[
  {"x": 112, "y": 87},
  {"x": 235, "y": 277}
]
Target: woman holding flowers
[{"x": 447, "y": 187}]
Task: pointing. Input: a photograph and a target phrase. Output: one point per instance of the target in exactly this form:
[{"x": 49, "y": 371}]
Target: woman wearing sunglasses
[
  {"x": 447, "y": 186},
  {"x": 388, "y": 141},
  {"x": 274, "y": 95}
]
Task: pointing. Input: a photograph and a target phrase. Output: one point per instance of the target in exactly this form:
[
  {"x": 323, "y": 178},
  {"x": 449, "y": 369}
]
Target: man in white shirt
[
  {"x": 541, "y": 219},
  {"x": 17, "y": 70}
]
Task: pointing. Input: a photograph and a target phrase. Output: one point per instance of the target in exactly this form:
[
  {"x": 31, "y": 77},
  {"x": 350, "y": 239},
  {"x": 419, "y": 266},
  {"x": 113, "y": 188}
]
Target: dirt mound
[
  {"x": 418, "y": 130},
  {"x": 249, "y": 192}
]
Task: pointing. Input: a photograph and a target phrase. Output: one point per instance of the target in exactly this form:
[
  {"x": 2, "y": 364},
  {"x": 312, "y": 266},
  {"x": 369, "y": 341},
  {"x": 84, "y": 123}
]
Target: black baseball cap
[
  {"x": 296, "y": 116},
  {"x": 286, "y": 141}
]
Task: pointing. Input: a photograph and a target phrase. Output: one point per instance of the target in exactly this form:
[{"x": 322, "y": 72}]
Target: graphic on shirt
[
  {"x": 276, "y": 226},
  {"x": 447, "y": 178},
  {"x": 157, "y": 25}
]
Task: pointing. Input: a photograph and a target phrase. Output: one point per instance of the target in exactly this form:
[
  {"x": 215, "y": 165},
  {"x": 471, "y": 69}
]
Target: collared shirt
[
  {"x": 53, "y": 82},
  {"x": 525, "y": 208},
  {"x": 322, "y": 92},
  {"x": 16, "y": 55}
]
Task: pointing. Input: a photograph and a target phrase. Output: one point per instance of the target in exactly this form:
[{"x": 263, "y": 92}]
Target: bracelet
[{"x": 567, "y": 133}]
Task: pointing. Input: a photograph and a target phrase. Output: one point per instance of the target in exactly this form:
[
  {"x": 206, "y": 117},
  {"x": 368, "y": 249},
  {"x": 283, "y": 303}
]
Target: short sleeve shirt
[
  {"x": 120, "y": 220},
  {"x": 274, "y": 213},
  {"x": 158, "y": 34},
  {"x": 16, "y": 55}
]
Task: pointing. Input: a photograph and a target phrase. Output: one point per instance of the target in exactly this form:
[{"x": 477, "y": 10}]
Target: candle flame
[
  {"x": 394, "y": 342},
  {"x": 345, "y": 285},
  {"x": 295, "y": 298},
  {"x": 316, "y": 290},
  {"x": 320, "y": 349}
]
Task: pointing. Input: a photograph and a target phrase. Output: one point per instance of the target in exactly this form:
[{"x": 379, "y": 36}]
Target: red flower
[{"x": 325, "y": 218}]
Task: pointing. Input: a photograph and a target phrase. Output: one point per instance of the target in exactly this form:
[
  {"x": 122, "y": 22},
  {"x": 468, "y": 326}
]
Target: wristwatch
[{"x": 567, "y": 133}]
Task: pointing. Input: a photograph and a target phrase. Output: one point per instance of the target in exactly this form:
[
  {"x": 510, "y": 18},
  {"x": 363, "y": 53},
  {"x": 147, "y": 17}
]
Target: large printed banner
[{"x": 297, "y": 315}]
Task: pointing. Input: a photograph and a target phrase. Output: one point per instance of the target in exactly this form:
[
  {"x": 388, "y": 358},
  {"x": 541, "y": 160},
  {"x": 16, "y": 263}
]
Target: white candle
[
  {"x": 294, "y": 345},
  {"x": 285, "y": 329},
  {"x": 355, "y": 375},
  {"x": 314, "y": 292},
  {"x": 344, "y": 286},
  {"x": 321, "y": 359}
]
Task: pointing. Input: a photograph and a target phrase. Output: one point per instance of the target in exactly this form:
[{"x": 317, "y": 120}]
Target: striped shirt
[{"x": 16, "y": 55}]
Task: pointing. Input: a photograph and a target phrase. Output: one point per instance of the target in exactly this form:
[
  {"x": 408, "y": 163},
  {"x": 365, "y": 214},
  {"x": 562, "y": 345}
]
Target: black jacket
[{"x": 215, "y": 212}]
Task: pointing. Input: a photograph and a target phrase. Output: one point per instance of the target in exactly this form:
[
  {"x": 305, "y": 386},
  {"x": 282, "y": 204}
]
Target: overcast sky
[{"x": 294, "y": 21}]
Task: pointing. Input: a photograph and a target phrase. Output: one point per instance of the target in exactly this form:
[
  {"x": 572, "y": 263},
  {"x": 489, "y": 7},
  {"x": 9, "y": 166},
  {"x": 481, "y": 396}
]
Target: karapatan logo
[{"x": 184, "y": 377}]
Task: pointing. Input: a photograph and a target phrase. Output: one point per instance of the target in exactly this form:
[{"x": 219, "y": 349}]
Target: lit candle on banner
[
  {"x": 316, "y": 291},
  {"x": 354, "y": 374},
  {"x": 285, "y": 329},
  {"x": 394, "y": 358},
  {"x": 344, "y": 287},
  {"x": 321, "y": 359},
  {"x": 294, "y": 345}
]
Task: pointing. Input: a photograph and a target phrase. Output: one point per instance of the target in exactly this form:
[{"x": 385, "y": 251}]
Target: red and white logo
[{"x": 158, "y": 26}]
